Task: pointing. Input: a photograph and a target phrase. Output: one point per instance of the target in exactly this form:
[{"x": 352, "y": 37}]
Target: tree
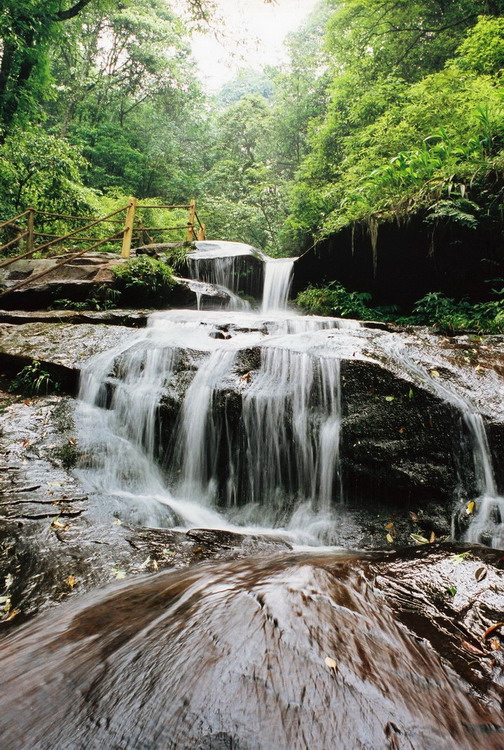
[{"x": 28, "y": 28}]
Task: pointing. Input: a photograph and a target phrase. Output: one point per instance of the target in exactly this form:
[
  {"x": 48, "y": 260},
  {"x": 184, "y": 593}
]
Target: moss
[{"x": 67, "y": 455}]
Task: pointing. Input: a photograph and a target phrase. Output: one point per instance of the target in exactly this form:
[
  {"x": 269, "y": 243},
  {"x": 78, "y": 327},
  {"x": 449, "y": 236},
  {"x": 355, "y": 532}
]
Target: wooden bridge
[{"x": 24, "y": 228}]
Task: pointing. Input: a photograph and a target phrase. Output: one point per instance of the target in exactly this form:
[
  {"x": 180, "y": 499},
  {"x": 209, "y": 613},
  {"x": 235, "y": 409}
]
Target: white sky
[{"x": 253, "y": 37}]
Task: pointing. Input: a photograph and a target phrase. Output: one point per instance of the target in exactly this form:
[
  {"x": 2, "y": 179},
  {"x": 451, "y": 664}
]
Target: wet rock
[
  {"x": 219, "y": 335},
  {"x": 128, "y": 318},
  {"x": 321, "y": 651},
  {"x": 57, "y": 541},
  {"x": 398, "y": 441},
  {"x": 61, "y": 344}
]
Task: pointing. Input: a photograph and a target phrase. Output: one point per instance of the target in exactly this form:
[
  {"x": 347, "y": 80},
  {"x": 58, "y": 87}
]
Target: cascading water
[
  {"x": 232, "y": 266},
  {"x": 277, "y": 282},
  {"x": 487, "y": 522},
  {"x": 277, "y": 465},
  {"x": 253, "y": 435}
]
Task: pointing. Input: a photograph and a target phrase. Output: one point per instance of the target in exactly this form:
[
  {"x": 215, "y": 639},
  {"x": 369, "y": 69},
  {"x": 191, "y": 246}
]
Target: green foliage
[
  {"x": 34, "y": 381},
  {"x": 67, "y": 455},
  {"x": 336, "y": 301},
  {"x": 103, "y": 298},
  {"x": 41, "y": 170},
  {"x": 453, "y": 316},
  {"x": 176, "y": 256},
  {"x": 482, "y": 51},
  {"x": 434, "y": 309},
  {"x": 144, "y": 281},
  {"x": 402, "y": 138}
]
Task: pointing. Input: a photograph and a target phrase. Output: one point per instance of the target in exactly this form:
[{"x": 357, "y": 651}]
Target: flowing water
[
  {"x": 487, "y": 520},
  {"x": 252, "y": 406},
  {"x": 233, "y": 420},
  {"x": 306, "y": 652},
  {"x": 281, "y": 468},
  {"x": 277, "y": 282}
]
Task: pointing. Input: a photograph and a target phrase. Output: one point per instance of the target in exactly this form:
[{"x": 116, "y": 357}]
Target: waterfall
[
  {"x": 234, "y": 419},
  {"x": 231, "y": 266},
  {"x": 243, "y": 451},
  {"x": 277, "y": 282},
  {"x": 487, "y": 521}
]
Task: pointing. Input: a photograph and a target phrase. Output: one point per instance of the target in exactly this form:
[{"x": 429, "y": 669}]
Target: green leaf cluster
[
  {"x": 448, "y": 315},
  {"x": 144, "y": 282}
]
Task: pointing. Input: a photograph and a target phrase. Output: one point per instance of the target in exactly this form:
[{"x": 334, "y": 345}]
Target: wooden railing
[{"x": 24, "y": 227}]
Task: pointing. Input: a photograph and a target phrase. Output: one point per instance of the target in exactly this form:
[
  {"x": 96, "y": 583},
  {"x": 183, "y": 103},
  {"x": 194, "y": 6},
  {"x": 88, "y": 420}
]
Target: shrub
[
  {"x": 334, "y": 299},
  {"x": 144, "y": 281},
  {"x": 33, "y": 380}
]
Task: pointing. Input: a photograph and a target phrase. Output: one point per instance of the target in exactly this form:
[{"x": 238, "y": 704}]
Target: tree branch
[{"x": 65, "y": 15}]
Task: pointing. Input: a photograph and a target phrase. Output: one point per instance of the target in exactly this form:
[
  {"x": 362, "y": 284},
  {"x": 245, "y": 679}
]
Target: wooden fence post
[
  {"x": 202, "y": 233},
  {"x": 128, "y": 228},
  {"x": 30, "y": 228},
  {"x": 190, "y": 226}
]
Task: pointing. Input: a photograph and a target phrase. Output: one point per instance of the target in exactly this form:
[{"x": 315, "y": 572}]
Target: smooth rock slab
[{"x": 328, "y": 651}]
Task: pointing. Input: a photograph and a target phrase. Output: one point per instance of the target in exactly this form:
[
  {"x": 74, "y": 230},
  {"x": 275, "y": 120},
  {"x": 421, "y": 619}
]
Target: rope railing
[
  {"x": 34, "y": 277},
  {"x": 194, "y": 230}
]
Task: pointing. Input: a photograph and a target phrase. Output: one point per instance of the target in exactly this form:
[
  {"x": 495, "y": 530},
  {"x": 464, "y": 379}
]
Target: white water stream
[{"x": 255, "y": 405}]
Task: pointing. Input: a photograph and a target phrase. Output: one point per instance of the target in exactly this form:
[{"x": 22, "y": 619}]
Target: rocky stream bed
[{"x": 208, "y": 455}]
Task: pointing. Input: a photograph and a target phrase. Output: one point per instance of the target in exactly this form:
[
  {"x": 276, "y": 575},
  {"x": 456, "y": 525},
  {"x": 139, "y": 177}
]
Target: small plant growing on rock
[
  {"x": 34, "y": 381},
  {"x": 67, "y": 454},
  {"x": 144, "y": 281}
]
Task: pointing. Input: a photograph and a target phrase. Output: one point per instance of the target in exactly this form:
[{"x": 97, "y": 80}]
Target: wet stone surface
[
  {"x": 387, "y": 651},
  {"x": 56, "y": 541}
]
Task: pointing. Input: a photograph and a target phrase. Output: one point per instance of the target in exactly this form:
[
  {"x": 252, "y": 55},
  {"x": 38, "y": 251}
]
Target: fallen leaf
[
  {"x": 56, "y": 524},
  {"x": 389, "y": 525},
  {"x": 480, "y": 574},
  {"x": 434, "y": 373},
  {"x": 117, "y": 522},
  {"x": 413, "y": 516},
  {"x": 12, "y": 614},
  {"x": 25, "y": 443},
  {"x": 401, "y": 431},
  {"x": 478, "y": 368},
  {"x": 71, "y": 581},
  {"x": 245, "y": 378},
  {"x": 27, "y": 401},
  {"x": 390, "y": 538},
  {"x": 470, "y": 507},
  {"x": 458, "y": 558},
  {"x": 472, "y": 649},
  {"x": 389, "y": 398},
  {"x": 495, "y": 644},
  {"x": 452, "y": 590},
  {"x": 432, "y": 537},
  {"x": 418, "y": 538},
  {"x": 491, "y": 629},
  {"x": 72, "y": 441},
  {"x": 330, "y": 663}
]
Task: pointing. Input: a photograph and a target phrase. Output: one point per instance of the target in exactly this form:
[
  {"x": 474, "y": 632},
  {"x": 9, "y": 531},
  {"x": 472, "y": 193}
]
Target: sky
[{"x": 253, "y": 37}]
